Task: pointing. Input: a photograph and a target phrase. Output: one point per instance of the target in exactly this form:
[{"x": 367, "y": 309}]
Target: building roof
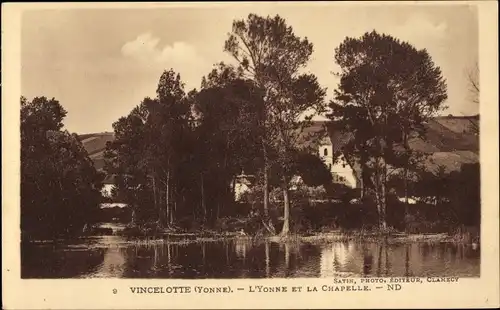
[
  {"x": 109, "y": 179},
  {"x": 314, "y": 135}
]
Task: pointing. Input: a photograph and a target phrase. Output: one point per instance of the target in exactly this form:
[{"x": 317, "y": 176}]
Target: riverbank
[
  {"x": 134, "y": 234},
  {"x": 312, "y": 238},
  {"x": 373, "y": 237}
]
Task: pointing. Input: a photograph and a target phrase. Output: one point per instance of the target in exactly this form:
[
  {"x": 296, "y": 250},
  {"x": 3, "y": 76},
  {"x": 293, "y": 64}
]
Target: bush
[{"x": 60, "y": 187}]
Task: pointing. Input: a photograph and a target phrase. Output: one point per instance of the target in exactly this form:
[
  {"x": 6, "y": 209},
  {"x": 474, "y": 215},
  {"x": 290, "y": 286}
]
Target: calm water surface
[{"x": 116, "y": 257}]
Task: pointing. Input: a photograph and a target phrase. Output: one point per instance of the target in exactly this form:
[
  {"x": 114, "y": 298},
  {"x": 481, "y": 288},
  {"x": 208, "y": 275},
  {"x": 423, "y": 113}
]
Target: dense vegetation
[
  {"x": 181, "y": 153},
  {"x": 60, "y": 188},
  {"x": 387, "y": 91},
  {"x": 176, "y": 158}
]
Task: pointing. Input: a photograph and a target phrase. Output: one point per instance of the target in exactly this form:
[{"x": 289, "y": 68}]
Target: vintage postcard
[{"x": 250, "y": 155}]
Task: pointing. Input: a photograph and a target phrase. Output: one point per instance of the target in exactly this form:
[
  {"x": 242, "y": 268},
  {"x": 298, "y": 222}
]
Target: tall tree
[
  {"x": 388, "y": 90},
  {"x": 221, "y": 75},
  {"x": 149, "y": 147},
  {"x": 125, "y": 159},
  {"x": 60, "y": 187},
  {"x": 168, "y": 123},
  {"x": 271, "y": 54},
  {"x": 229, "y": 110}
]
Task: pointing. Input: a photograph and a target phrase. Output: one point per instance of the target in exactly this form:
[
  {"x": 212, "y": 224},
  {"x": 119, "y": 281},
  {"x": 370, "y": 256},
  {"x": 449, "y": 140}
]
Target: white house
[
  {"x": 328, "y": 148},
  {"x": 341, "y": 170},
  {"x": 330, "y": 151},
  {"x": 107, "y": 189},
  {"x": 241, "y": 186}
]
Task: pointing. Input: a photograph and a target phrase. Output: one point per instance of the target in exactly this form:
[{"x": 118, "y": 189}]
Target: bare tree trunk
[
  {"x": 364, "y": 175},
  {"x": 379, "y": 208},
  {"x": 268, "y": 269},
  {"x": 286, "y": 214},
  {"x": 156, "y": 205},
  {"x": 203, "y": 254},
  {"x": 287, "y": 256},
  {"x": 379, "y": 260},
  {"x": 407, "y": 209},
  {"x": 376, "y": 183},
  {"x": 387, "y": 264},
  {"x": 266, "y": 191},
  {"x": 161, "y": 209},
  {"x": 407, "y": 261},
  {"x": 407, "y": 163},
  {"x": 160, "y": 203},
  {"x": 168, "y": 197},
  {"x": 134, "y": 217},
  {"x": 169, "y": 259},
  {"x": 266, "y": 183},
  {"x": 166, "y": 208},
  {"x": 218, "y": 211},
  {"x": 175, "y": 211},
  {"x": 383, "y": 198},
  {"x": 362, "y": 185},
  {"x": 173, "y": 203},
  {"x": 203, "y": 205},
  {"x": 380, "y": 192},
  {"x": 383, "y": 193},
  {"x": 154, "y": 196},
  {"x": 156, "y": 258},
  {"x": 233, "y": 189},
  {"x": 406, "y": 189}
]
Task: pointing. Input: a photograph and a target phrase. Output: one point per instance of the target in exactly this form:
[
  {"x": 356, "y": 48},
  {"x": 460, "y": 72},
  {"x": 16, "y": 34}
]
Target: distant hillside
[
  {"x": 95, "y": 144},
  {"x": 450, "y": 140}
]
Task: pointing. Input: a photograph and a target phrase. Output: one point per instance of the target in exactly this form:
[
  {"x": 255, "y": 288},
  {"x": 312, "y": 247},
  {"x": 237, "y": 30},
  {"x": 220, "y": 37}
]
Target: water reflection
[
  {"x": 113, "y": 256},
  {"x": 113, "y": 264}
]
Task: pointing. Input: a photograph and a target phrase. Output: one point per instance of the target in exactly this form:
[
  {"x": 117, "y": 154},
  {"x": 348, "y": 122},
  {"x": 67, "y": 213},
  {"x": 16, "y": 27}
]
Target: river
[{"x": 116, "y": 257}]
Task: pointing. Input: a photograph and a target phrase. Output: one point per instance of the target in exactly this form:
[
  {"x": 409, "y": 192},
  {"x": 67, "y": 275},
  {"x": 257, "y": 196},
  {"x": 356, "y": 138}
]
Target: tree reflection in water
[
  {"x": 407, "y": 261},
  {"x": 367, "y": 261},
  {"x": 114, "y": 262},
  {"x": 268, "y": 267},
  {"x": 244, "y": 258},
  {"x": 387, "y": 261},
  {"x": 60, "y": 259}
]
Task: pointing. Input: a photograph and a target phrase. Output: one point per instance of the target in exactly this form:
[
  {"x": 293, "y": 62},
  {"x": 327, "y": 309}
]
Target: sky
[{"x": 100, "y": 63}]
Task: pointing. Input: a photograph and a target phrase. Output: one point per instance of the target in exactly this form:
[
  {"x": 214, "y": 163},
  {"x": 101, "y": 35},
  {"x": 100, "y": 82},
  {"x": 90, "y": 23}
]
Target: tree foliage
[
  {"x": 176, "y": 157},
  {"x": 388, "y": 90},
  {"x": 148, "y": 151},
  {"x": 60, "y": 188},
  {"x": 269, "y": 53},
  {"x": 181, "y": 153},
  {"x": 312, "y": 169}
]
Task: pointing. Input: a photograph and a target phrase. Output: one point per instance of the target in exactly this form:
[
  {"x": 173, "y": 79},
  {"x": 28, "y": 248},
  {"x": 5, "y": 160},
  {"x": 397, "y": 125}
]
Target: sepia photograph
[{"x": 250, "y": 142}]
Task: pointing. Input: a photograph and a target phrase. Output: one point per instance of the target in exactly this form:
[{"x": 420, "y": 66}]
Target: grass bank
[
  {"x": 313, "y": 238},
  {"x": 393, "y": 238}
]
